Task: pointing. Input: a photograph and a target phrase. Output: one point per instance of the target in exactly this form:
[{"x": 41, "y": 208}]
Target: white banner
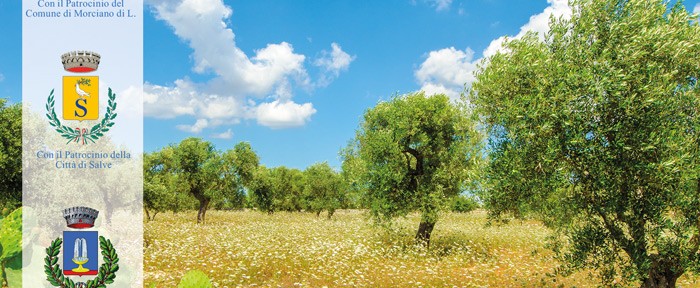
[{"x": 82, "y": 76}]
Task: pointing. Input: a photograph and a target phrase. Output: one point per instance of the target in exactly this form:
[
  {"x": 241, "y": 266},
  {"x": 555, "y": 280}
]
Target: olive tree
[
  {"x": 261, "y": 190},
  {"x": 10, "y": 194},
  {"x": 245, "y": 162},
  {"x": 209, "y": 175},
  {"x": 197, "y": 166},
  {"x": 595, "y": 130},
  {"x": 10, "y": 155},
  {"x": 288, "y": 186},
  {"x": 324, "y": 189},
  {"x": 413, "y": 153},
  {"x": 159, "y": 182}
]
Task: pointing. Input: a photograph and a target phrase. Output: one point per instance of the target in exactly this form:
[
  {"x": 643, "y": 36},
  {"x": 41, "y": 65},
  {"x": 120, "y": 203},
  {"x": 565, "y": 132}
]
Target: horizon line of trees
[{"x": 194, "y": 175}]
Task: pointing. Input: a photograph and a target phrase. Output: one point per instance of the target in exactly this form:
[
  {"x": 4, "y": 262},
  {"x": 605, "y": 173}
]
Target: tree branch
[
  {"x": 616, "y": 234},
  {"x": 419, "y": 161}
]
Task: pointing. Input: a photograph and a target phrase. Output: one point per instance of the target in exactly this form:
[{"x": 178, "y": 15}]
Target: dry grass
[{"x": 249, "y": 248}]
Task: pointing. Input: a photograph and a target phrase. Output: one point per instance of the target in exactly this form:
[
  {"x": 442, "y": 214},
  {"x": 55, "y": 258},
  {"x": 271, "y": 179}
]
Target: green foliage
[
  {"x": 11, "y": 248},
  {"x": 462, "y": 203},
  {"x": 10, "y": 155},
  {"x": 195, "y": 168},
  {"x": 412, "y": 153},
  {"x": 288, "y": 188},
  {"x": 84, "y": 81},
  {"x": 246, "y": 162},
  {"x": 13, "y": 271},
  {"x": 596, "y": 132},
  {"x": 194, "y": 279},
  {"x": 353, "y": 169},
  {"x": 262, "y": 190},
  {"x": 324, "y": 189},
  {"x": 11, "y": 234},
  {"x": 161, "y": 191},
  {"x": 239, "y": 166},
  {"x": 233, "y": 179}
]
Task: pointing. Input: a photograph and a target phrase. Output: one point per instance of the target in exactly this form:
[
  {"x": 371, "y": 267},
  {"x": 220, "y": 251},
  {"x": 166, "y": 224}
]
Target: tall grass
[{"x": 249, "y": 248}]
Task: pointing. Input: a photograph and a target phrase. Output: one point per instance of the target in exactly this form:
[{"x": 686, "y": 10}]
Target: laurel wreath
[
  {"x": 83, "y": 135},
  {"x": 105, "y": 275}
]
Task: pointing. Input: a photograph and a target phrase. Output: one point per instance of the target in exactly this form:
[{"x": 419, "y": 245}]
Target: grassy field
[{"x": 249, "y": 248}]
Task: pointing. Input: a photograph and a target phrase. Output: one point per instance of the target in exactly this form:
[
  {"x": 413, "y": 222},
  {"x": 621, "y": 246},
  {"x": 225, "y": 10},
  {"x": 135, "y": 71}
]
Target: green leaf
[
  {"x": 195, "y": 279},
  {"x": 11, "y": 234},
  {"x": 13, "y": 269}
]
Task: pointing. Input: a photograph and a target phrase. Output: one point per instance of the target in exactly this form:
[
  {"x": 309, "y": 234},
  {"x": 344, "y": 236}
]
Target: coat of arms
[
  {"x": 81, "y": 99},
  {"x": 80, "y": 253}
]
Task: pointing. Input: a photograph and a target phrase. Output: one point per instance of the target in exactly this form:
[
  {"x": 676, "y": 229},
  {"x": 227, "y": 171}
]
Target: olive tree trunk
[
  {"x": 203, "y": 204},
  {"x": 663, "y": 274},
  {"x": 425, "y": 228},
  {"x": 660, "y": 279}
]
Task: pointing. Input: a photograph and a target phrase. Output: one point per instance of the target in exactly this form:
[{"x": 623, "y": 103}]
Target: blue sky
[{"x": 292, "y": 77}]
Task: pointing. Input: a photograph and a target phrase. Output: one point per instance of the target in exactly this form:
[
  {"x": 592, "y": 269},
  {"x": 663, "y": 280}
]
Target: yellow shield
[{"x": 80, "y": 98}]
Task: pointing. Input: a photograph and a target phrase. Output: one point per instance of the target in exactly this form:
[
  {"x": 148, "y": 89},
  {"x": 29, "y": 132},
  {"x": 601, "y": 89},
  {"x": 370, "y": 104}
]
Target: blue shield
[{"x": 80, "y": 253}]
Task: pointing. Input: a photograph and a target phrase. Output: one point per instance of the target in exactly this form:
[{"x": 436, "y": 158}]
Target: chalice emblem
[{"x": 80, "y": 255}]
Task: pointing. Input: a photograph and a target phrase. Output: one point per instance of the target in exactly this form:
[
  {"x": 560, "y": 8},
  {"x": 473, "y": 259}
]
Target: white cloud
[
  {"x": 333, "y": 63},
  {"x": 228, "y": 134},
  {"x": 184, "y": 99},
  {"x": 240, "y": 81},
  {"x": 696, "y": 10},
  {"x": 432, "y": 89},
  {"x": 201, "y": 24},
  {"x": 538, "y": 23},
  {"x": 440, "y": 5},
  {"x": 169, "y": 102},
  {"x": 448, "y": 70},
  {"x": 2, "y": 77},
  {"x": 196, "y": 127},
  {"x": 284, "y": 114}
]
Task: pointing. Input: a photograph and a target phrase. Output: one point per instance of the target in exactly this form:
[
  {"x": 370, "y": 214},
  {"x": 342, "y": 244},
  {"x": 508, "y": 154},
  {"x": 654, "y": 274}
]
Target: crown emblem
[
  {"x": 80, "y": 61},
  {"x": 80, "y": 217}
]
